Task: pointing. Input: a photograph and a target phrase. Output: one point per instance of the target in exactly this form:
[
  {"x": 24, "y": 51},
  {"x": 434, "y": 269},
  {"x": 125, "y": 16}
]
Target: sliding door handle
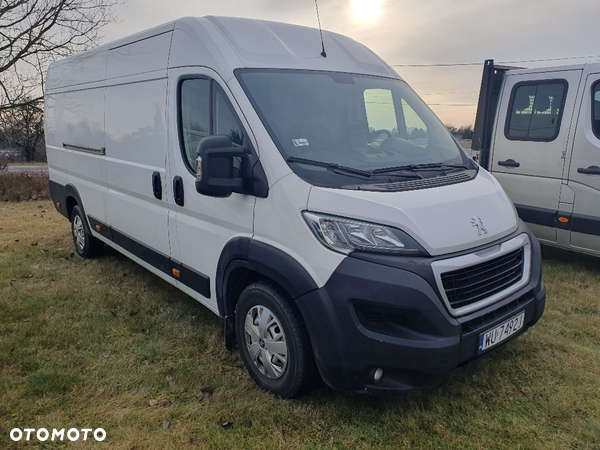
[
  {"x": 509, "y": 163},
  {"x": 591, "y": 170}
]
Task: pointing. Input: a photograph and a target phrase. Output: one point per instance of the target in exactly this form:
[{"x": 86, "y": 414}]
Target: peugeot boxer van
[{"x": 307, "y": 197}]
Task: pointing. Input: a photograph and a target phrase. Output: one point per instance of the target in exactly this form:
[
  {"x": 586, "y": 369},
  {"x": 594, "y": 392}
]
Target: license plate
[{"x": 501, "y": 333}]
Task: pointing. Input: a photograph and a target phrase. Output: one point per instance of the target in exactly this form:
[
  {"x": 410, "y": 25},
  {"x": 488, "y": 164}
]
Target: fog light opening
[{"x": 377, "y": 375}]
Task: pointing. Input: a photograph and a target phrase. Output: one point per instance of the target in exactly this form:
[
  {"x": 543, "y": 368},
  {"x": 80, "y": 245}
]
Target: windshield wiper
[
  {"x": 345, "y": 170},
  {"x": 419, "y": 167},
  {"x": 336, "y": 168}
]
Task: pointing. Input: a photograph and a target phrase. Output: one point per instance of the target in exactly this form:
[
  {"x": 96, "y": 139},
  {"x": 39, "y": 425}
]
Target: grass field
[{"x": 104, "y": 343}]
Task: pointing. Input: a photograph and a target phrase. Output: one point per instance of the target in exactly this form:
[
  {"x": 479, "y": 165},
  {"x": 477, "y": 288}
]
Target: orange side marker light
[
  {"x": 563, "y": 220},
  {"x": 98, "y": 228},
  {"x": 176, "y": 273},
  {"x": 58, "y": 205}
]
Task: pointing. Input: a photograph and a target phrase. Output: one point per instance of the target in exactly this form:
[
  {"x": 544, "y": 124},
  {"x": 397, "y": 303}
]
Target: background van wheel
[
  {"x": 86, "y": 245},
  {"x": 273, "y": 342}
]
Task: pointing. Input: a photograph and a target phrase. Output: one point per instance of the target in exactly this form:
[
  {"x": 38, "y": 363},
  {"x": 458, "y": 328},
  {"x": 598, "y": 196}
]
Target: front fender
[{"x": 264, "y": 259}]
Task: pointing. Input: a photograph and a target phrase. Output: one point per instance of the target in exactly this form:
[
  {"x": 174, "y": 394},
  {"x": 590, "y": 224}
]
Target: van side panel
[
  {"x": 136, "y": 142},
  {"x": 88, "y": 67},
  {"x": 75, "y": 143},
  {"x": 139, "y": 57}
]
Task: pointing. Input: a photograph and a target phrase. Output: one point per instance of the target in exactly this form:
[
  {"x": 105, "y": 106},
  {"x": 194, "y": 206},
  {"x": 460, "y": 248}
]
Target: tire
[
  {"x": 86, "y": 245},
  {"x": 273, "y": 342}
]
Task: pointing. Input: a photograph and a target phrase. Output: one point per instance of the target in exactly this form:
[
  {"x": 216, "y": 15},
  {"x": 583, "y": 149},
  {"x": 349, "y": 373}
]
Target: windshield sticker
[{"x": 300, "y": 142}]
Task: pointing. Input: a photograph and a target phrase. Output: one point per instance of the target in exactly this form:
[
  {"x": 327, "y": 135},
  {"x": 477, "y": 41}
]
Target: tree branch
[{"x": 33, "y": 33}]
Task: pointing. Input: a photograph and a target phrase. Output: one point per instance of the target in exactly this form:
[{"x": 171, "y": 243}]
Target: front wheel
[
  {"x": 86, "y": 245},
  {"x": 273, "y": 342}
]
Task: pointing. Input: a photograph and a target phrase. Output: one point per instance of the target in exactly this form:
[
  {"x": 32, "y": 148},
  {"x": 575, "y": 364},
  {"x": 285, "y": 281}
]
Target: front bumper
[{"x": 386, "y": 312}]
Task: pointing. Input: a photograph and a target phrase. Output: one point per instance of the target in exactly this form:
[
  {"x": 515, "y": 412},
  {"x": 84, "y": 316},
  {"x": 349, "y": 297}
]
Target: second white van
[
  {"x": 538, "y": 132},
  {"x": 308, "y": 198}
]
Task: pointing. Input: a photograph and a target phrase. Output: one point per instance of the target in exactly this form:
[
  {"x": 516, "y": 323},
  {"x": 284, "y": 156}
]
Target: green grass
[{"x": 90, "y": 343}]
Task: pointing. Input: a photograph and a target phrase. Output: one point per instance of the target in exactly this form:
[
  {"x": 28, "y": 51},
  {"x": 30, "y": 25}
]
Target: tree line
[{"x": 465, "y": 131}]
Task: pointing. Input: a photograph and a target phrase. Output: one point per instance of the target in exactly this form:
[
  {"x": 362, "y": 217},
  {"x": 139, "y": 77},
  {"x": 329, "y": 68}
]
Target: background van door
[
  {"x": 530, "y": 143},
  {"x": 584, "y": 170},
  {"x": 203, "y": 224}
]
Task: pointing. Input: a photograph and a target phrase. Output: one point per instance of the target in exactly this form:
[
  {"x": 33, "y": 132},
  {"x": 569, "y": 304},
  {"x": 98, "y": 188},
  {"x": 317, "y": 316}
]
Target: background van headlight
[{"x": 347, "y": 235}]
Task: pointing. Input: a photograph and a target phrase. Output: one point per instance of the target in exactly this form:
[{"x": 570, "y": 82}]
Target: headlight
[{"x": 346, "y": 236}]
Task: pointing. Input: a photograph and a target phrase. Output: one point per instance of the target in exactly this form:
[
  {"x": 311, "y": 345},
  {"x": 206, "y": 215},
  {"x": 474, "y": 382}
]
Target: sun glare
[{"x": 366, "y": 10}]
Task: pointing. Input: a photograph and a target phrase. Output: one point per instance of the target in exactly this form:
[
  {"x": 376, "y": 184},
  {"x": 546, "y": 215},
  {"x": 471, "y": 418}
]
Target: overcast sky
[{"x": 408, "y": 32}]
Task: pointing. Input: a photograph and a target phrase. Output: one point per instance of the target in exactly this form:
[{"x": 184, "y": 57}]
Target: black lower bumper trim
[{"x": 370, "y": 316}]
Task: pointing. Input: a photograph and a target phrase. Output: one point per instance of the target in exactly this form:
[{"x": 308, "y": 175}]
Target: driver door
[{"x": 203, "y": 224}]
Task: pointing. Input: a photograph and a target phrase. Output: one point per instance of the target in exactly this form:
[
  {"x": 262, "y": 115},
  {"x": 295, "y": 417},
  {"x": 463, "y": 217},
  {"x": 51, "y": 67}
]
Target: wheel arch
[
  {"x": 243, "y": 261},
  {"x": 72, "y": 198}
]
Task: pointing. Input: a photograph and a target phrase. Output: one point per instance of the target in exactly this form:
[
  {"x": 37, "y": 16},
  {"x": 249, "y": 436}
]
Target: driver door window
[
  {"x": 195, "y": 116},
  {"x": 204, "y": 111},
  {"x": 226, "y": 122}
]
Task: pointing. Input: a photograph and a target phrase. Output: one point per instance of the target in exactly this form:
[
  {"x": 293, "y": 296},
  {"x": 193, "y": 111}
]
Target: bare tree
[
  {"x": 33, "y": 33},
  {"x": 23, "y": 128}
]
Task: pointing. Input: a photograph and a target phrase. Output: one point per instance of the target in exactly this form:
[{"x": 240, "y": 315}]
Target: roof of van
[{"x": 222, "y": 44}]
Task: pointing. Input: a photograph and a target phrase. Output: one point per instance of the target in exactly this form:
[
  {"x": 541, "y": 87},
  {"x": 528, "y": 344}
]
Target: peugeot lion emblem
[{"x": 478, "y": 223}]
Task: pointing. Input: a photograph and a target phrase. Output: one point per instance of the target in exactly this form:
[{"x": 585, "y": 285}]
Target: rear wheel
[
  {"x": 86, "y": 245},
  {"x": 273, "y": 342}
]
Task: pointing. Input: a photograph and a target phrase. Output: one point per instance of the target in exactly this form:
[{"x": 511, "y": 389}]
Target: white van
[
  {"x": 312, "y": 201},
  {"x": 538, "y": 132}
]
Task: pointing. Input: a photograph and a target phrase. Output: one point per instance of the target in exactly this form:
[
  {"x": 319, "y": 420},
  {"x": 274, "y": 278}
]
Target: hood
[{"x": 443, "y": 220}]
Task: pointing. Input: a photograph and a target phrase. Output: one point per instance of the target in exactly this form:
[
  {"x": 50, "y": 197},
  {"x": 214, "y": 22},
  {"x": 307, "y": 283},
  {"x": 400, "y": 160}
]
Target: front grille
[{"x": 466, "y": 286}]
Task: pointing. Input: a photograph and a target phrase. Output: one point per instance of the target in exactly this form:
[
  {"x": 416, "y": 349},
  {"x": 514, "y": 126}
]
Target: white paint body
[{"x": 123, "y": 97}]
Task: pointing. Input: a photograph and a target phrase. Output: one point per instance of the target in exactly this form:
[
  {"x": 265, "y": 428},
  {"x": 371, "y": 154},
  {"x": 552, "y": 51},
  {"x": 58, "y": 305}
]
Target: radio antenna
[{"x": 323, "y": 53}]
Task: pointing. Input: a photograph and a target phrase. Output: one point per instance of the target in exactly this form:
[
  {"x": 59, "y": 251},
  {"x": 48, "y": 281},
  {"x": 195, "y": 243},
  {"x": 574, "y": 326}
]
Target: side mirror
[{"x": 221, "y": 167}]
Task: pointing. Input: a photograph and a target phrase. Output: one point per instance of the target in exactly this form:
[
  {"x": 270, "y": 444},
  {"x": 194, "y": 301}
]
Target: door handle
[
  {"x": 178, "y": 190},
  {"x": 591, "y": 170},
  {"x": 509, "y": 163},
  {"x": 157, "y": 185}
]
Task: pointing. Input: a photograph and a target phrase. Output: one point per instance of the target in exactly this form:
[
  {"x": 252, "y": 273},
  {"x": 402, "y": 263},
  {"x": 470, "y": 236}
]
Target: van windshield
[{"x": 333, "y": 128}]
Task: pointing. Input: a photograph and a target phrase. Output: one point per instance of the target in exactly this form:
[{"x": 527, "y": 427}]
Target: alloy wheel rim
[{"x": 265, "y": 341}]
